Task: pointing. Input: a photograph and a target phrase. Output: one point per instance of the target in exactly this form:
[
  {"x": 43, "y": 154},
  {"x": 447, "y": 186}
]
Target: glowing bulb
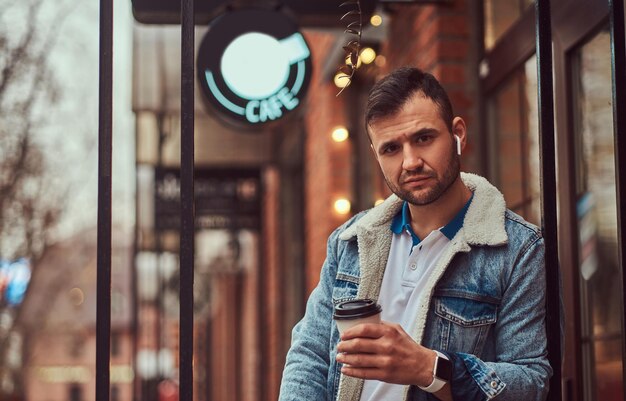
[
  {"x": 367, "y": 55},
  {"x": 349, "y": 62},
  {"x": 376, "y": 20},
  {"x": 341, "y": 80},
  {"x": 340, "y": 134},
  {"x": 342, "y": 206},
  {"x": 378, "y": 202}
]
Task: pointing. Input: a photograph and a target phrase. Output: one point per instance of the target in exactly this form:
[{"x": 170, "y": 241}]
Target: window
[
  {"x": 76, "y": 345},
  {"x": 76, "y": 392},
  {"x": 115, "y": 343},
  {"x": 499, "y": 16},
  {"x": 514, "y": 142},
  {"x": 600, "y": 295},
  {"x": 115, "y": 393}
]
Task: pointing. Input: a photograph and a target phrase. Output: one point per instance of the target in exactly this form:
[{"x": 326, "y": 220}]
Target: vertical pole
[
  {"x": 618, "y": 69},
  {"x": 105, "y": 141},
  {"x": 548, "y": 190},
  {"x": 187, "y": 200},
  {"x": 136, "y": 381}
]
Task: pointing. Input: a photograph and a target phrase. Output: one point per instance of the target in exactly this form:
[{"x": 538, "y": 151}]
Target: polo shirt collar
[{"x": 402, "y": 222}]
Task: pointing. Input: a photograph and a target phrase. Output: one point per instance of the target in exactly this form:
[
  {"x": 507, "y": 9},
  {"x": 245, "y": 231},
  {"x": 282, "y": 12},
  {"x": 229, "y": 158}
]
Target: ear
[{"x": 459, "y": 129}]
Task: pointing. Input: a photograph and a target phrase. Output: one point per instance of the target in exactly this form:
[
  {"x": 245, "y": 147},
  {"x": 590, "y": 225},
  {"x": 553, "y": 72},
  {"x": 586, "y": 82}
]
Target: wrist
[
  {"x": 441, "y": 373},
  {"x": 427, "y": 369}
]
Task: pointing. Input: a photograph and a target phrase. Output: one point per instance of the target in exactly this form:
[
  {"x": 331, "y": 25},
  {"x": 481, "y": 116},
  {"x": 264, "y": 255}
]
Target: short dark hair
[{"x": 389, "y": 94}]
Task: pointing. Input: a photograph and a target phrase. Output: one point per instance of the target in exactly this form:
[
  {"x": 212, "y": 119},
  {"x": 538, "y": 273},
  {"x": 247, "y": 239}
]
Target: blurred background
[{"x": 276, "y": 171}]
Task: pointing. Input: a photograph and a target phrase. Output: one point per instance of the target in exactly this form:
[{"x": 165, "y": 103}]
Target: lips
[{"x": 415, "y": 180}]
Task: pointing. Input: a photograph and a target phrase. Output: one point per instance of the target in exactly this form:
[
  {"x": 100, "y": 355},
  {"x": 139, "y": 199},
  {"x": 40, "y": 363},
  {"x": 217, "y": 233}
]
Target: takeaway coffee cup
[{"x": 350, "y": 313}]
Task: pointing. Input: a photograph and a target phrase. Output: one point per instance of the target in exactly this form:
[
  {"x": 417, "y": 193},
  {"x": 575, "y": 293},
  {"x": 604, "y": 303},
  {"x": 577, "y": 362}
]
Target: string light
[
  {"x": 367, "y": 55},
  {"x": 340, "y": 134},
  {"x": 376, "y": 20},
  {"x": 341, "y": 80},
  {"x": 342, "y": 206}
]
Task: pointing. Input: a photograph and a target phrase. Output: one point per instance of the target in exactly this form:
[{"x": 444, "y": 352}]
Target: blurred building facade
[
  {"x": 53, "y": 336},
  {"x": 251, "y": 283}
]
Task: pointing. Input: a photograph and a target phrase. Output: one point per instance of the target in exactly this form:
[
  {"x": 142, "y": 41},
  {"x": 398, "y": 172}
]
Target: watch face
[{"x": 444, "y": 369}]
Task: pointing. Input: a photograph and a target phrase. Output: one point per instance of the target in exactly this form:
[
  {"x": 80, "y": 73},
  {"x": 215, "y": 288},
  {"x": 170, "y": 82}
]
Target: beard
[{"x": 428, "y": 195}]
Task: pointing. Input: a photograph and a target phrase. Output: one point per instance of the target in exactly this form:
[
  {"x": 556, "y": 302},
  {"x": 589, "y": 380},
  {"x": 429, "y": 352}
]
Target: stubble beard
[{"x": 433, "y": 193}]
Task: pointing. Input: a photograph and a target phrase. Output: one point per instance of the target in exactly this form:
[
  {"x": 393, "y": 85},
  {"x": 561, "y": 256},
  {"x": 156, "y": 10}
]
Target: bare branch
[
  {"x": 28, "y": 209},
  {"x": 19, "y": 54}
]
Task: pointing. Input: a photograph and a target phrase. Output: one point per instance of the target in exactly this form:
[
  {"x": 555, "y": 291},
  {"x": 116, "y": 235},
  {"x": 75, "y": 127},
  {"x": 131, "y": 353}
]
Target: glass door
[
  {"x": 514, "y": 141},
  {"x": 599, "y": 278}
]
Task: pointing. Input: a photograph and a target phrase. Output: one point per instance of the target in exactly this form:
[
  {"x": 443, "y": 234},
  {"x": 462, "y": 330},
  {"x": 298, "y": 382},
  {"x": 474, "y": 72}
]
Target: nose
[{"x": 411, "y": 159}]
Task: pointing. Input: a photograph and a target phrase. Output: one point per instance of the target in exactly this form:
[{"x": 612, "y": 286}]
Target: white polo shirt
[{"x": 410, "y": 263}]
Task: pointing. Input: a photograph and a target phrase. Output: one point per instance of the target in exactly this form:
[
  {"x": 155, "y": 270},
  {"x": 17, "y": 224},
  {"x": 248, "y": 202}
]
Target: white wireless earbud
[{"x": 458, "y": 145}]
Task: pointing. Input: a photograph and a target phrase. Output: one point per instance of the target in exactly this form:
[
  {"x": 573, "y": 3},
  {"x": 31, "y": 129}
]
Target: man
[{"x": 460, "y": 278}]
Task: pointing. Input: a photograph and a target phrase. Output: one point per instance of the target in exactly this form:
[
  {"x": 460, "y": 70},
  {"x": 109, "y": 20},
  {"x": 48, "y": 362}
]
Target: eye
[
  {"x": 424, "y": 138},
  {"x": 390, "y": 148}
]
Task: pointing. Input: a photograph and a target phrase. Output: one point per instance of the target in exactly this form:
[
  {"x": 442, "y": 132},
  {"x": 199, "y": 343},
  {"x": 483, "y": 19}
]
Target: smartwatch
[{"x": 442, "y": 373}]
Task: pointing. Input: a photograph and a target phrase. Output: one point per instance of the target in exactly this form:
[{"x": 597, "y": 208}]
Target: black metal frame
[
  {"x": 545, "y": 97},
  {"x": 105, "y": 145},
  {"x": 618, "y": 69},
  {"x": 187, "y": 212}
]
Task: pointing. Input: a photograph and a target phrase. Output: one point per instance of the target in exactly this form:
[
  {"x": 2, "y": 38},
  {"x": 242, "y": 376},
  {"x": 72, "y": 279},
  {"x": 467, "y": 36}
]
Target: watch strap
[{"x": 437, "y": 383}]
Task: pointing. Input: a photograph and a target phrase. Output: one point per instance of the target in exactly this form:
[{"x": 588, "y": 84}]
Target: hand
[{"x": 385, "y": 352}]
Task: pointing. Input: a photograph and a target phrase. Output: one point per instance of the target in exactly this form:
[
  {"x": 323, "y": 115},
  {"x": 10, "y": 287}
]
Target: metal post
[
  {"x": 187, "y": 200},
  {"x": 549, "y": 190},
  {"x": 105, "y": 121},
  {"x": 618, "y": 69}
]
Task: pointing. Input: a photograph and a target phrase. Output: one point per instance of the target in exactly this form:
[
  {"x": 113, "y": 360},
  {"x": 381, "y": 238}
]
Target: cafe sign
[{"x": 254, "y": 66}]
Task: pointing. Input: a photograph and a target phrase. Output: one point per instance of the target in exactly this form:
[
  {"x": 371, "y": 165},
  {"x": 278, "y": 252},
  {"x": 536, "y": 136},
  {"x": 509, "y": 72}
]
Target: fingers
[
  {"x": 362, "y": 360},
  {"x": 371, "y": 330},
  {"x": 366, "y": 366},
  {"x": 360, "y": 345},
  {"x": 364, "y": 330},
  {"x": 364, "y": 373},
  {"x": 373, "y": 339},
  {"x": 384, "y": 352}
]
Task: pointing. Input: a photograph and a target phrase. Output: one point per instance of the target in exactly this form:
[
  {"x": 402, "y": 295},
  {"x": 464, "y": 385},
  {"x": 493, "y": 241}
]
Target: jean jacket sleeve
[
  {"x": 306, "y": 370},
  {"x": 521, "y": 370}
]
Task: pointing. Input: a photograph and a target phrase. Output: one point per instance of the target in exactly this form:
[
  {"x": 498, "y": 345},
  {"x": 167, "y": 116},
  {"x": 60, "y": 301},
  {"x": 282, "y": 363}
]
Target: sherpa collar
[{"x": 483, "y": 223}]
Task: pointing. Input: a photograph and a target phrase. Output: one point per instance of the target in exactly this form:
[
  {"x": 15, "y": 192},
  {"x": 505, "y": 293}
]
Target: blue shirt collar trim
[
  {"x": 453, "y": 227},
  {"x": 402, "y": 222}
]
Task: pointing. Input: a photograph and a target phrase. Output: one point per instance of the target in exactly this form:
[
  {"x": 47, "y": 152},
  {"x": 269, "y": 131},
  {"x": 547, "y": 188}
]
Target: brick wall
[
  {"x": 326, "y": 164},
  {"x": 441, "y": 40},
  {"x": 270, "y": 322}
]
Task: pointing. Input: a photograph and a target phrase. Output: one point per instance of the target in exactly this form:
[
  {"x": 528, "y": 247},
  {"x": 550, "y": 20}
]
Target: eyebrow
[{"x": 418, "y": 133}]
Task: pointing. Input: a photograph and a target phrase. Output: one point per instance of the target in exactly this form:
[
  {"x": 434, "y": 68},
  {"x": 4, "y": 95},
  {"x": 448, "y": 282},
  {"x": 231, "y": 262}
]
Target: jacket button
[
  {"x": 413, "y": 266},
  {"x": 494, "y": 384}
]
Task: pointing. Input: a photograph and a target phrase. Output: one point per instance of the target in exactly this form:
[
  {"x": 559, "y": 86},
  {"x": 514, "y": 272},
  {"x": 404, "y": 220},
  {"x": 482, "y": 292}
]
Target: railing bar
[
  {"x": 618, "y": 70},
  {"x": 548, "y": 190},
  {"x": 105, "y": 140},
  {"x": 187, "y": 200}
]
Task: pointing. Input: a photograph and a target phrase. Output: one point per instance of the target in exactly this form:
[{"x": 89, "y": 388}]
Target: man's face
[{"x": 416, "y": 151}]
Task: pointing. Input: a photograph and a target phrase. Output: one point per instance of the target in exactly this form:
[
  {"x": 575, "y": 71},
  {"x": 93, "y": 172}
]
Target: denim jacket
[{"x": 483, "y": 306}]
